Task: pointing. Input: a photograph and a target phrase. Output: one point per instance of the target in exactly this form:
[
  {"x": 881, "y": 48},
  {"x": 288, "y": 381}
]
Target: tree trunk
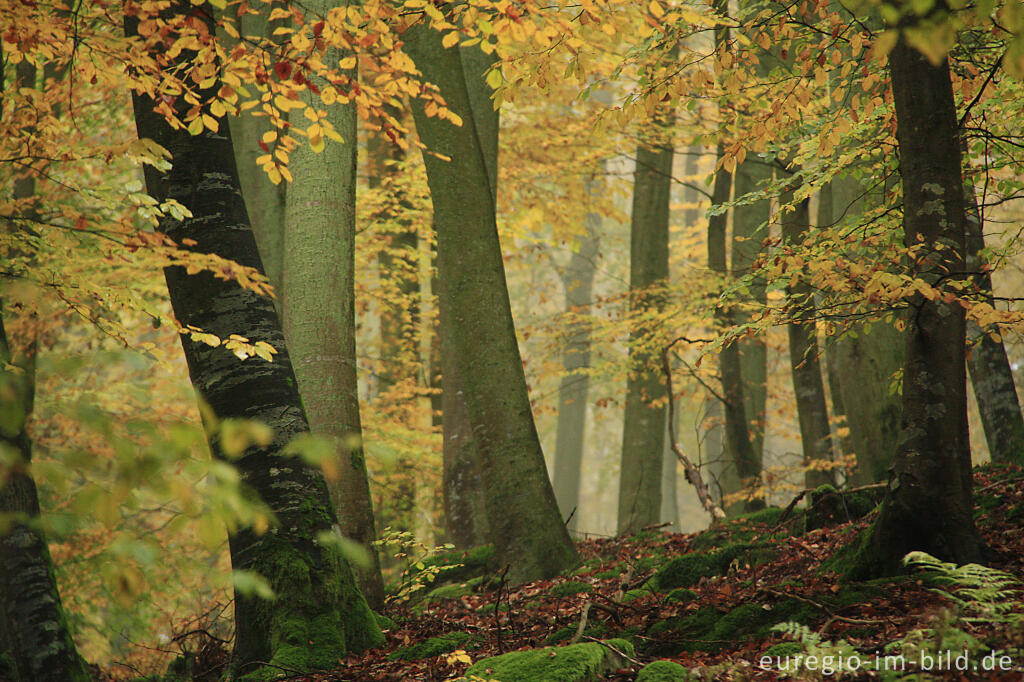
[
  {"x": 928, "y": 503},
  {"x": 574, "y": 387},
  {"x": 319, "y": 614},
  {"x": 669, "y": 512},
  {"x": 643, "y": 429},
  {"x": 991, "y": 375},
  {"x": 741, "y": 466},
  {"x": 749, "y": 229},
  {"x": 863, "y": 364},
  {"x": 522, "y": 515},
  {"x": 318, "y": 301},
  {"x": 812, "y": 411}
]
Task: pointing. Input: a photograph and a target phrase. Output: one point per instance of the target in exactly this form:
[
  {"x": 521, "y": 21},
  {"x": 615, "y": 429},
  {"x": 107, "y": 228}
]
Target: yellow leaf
[
  {"x": 268, "y": 137},
  {"x": 316, "y": 143},
  {"x": 195, "y": 126},
  {"x": 656, "y": 10},
  {"x": 347, "y": 63},
  {"x": 494, "y": 78},
  {"x": 450, "y": 39}
]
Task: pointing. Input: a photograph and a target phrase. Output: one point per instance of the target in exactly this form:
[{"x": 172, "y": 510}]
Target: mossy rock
[
  {"x": 784, "y": 649},
  {"x": 608, "y": 575},
  {"x": 664, "y": 671},
  {"x": 587, "y": 662},
  {"x": 461, "y": 565},
  {"x": 570, "y": 588},
  {"x": 561, "y": 635},
  {"x": 742, "y": 529},
  {"x": 383, "y": 622},
  {"x": 435, "y": 646},
  {"x": 448, "y": 592},
  {"x": 688, "y": 569},
  {"x": 830, "y": 507},
  {"x": 681, "y": 595}
]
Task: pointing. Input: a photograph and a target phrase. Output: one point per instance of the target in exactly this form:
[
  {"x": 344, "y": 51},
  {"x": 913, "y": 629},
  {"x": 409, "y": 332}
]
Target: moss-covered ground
[{"x": 699, "y": 606}]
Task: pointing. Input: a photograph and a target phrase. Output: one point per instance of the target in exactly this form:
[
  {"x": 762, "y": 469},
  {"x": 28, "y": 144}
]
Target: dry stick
[
  {"x": 613, "y": 650},
  {"x": 583, "y": 622},
  {"x": 692, "y": 472}
]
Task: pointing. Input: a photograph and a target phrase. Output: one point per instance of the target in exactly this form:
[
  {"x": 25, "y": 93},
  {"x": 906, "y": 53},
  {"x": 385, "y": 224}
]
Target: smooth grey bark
[
  {"x": 669, "y": 512},
  {"x": 928, "y": 503},
  {"x": 464, "y": 501},
  {"x": 990, "y": 371},
  {"x": 264, "y": 201},
  {"x": 812, "y": 409},
  {"x": 319, "y": 614},
  {"x": 317, "y": 298},
  {"x": 741, "y": 464},
  {"x": 643, "y": 429},
  {"x": 522, "y": 514},
  {"x": 573, "y": 389},
  {"x": 749, "y": 229}
]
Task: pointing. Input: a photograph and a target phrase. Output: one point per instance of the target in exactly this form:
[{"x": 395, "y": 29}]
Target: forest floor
[{"x": 708, "y": 602}]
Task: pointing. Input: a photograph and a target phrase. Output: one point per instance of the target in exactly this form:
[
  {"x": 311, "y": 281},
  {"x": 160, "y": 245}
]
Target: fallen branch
[
  {"x": 692, "y": 472},
  {"x": 583, "y": 622},
  {"x": 608, "y": 646}
]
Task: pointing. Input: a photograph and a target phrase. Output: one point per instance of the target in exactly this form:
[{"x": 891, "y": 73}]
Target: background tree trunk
[
  {"x": 812, "y": 410},
  {"x": 928, "y": 503},
  {"x": 522, "y": 514},
  {"x": 643, "y": 430}
]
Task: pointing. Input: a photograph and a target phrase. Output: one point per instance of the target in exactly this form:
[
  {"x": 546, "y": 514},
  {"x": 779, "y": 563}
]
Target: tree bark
[
  {"x": 928, "y": 502},
  {"x": 643, "y": 430},
  {"x": 318, "y": 301},
  {"x": 573, "y": 389},
  {"x": 522, "y": 514},
  {"x": 991, "y": 375},
  {"x": 319, "y": 614},
  {"x": 812, "y": 410}
]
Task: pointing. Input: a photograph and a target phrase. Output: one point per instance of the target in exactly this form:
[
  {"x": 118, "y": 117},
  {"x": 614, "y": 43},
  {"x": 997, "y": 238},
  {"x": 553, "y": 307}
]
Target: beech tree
[
  {"x": 522, "y": 515},
  {"x": 318, "y": 614},
  {"x": 928, "y": 503}
]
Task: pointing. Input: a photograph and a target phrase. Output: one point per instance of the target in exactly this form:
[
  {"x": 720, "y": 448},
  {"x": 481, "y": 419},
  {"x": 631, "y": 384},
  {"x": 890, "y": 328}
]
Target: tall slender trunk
[
  {"x": 522, "y": 514},
  {"x": 33, "y": 628},
  {"x": 991, "y": 375},
  {"x": 812, "y": 410},
  {"x": 928, "y": 503},
  {"x": 643, "y": 431},
  {"x": 863, "y": 365},
  {"x": 319, "y": 614},
  {"x": 318, "y": 303},
  {"x": 578, "y": 280}
]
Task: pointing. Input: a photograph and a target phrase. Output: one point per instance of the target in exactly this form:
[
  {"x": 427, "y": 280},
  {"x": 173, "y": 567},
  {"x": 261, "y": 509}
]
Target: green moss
[
  {"x": 688, "y": 569},
  {"x": 435, "y": 646},
  {"x": 383, "y": 622},
  {"x": 608, "y": 575},
  {"x": 784, "y": 649},
  {"x": 570, "y": 588},
  {"x": 739, "y": 530},
  {"x": 633, "y": 595},
  {"x": 319, "y": 615},
  {"x": 681, "y": 595},
  {"x": 447, "y": 592},
  {"x": 461, "y": 565},
  {"x": 560, "y": 635},
  {"x": 663, "y": 671},
  {"x": 586, "y": 662}
]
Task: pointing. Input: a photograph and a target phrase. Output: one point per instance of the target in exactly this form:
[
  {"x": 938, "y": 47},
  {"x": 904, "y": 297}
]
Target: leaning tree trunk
[
  {"x": 991, "y": 375},
  {"x": 319, "y": 614},
  {"x": 812, "y": 410},
  {"x": 928, "y": 502},
  {"x": 465, "y": 505},
  {"x": 522, "y": 514},
  {"x": 643, "y": 429},
  {"x": 318, "y": 302},
  {"x": 578, "y": 280}
]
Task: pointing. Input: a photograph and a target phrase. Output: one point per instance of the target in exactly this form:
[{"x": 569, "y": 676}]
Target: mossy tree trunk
[
  {"x": 318, "y": 303},
  {"x": 643, "y": 429},
  {"x": 928, "y": 503},
  {"x": 573, "y": 389},
  {"x": 991, "y": 375},
  {"x": 319, "y": 614},
  {"x": 522, "y": 514},
  {"x": 812, "y": 409}
]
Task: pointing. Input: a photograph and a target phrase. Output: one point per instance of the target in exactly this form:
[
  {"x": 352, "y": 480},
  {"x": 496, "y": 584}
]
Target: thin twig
[
  {"x": 583, "y": 622},
  {"x": 613, "y": 649}
]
